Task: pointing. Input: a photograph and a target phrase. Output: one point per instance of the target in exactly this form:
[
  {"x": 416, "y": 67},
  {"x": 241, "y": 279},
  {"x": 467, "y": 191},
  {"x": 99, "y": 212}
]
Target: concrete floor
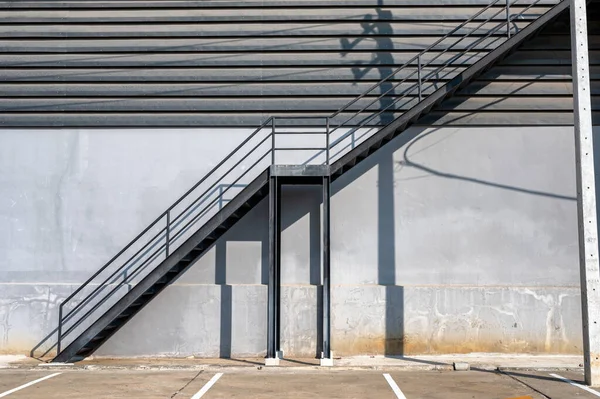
[{"x": 267, "y": 383}]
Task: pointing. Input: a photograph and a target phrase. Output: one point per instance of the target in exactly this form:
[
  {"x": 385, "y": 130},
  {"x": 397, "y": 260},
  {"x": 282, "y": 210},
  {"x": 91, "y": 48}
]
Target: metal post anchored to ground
[
  {"x": 274, "y": 269},
  {"x": 326, "y": 360},
  {"x": 586, "y": 194}
]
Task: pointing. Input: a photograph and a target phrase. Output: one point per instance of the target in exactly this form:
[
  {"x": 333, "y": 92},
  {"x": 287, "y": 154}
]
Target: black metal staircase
[{"x": 185, "y": 231}]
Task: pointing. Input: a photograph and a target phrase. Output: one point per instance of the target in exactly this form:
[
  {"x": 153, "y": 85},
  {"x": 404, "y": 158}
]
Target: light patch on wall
[{"x": 243, "y": 262}]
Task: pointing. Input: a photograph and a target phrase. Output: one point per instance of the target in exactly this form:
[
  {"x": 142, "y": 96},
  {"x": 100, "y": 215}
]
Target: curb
[{"x": 279, "y": 369}]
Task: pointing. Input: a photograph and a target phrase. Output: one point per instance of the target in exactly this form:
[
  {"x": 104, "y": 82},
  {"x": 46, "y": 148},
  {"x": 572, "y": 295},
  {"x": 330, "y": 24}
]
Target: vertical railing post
[
  {"x": 220, "y": 197},
  {"x": 168, "y": 236},
  {"x": 327, "y": 140},
  {"x": 60, "y": 317},
  {"x": 508, "y": 18},
  {"x": 273, "y": 141},
  {"x": 419, "y": 77}
]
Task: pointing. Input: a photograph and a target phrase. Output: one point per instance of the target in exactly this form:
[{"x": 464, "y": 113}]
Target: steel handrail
[
  {"x": 412, "y": 60},
  {"x": 421, "y": 67},
  {"x": 417, "y": 58},
  {"x": 188, "y": 224},
  {"x": 418, "y": 72},
  {"x": 118, "y": 271},
  {"x": 177, "y": 202},
  {"x": 173, "y": 225},
  {"x": 150, "y": 226},
  {"x": 115, "y": 289},
  {"x": 230, "y": 169}
]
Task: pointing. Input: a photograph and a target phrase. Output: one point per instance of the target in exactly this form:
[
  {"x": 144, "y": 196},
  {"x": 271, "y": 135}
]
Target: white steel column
[{"x": 586, "y": 194}]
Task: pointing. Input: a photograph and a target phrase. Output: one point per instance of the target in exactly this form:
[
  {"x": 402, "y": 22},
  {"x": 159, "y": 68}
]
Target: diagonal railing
[{"x": 358, "y": 121}]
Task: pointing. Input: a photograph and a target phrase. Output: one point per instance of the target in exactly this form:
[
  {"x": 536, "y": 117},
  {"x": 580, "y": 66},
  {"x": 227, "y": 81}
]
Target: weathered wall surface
[
  {"x": 212, "y": 63},
  {"x": 446, "y": 240},
  {"x": 453, "y": 238}
]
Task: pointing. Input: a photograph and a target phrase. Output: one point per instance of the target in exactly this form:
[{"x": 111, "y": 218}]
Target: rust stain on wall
[{"x": 414, "y": 345}]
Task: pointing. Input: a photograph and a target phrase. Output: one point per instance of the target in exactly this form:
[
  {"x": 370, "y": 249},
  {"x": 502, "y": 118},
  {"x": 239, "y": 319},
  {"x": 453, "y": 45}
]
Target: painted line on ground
[
  {"x": 3, "y": 394},
  {"x": 394, "y": 386},
  {"x": 207, "y": 386},
  {"x": 590, "y": 390}
]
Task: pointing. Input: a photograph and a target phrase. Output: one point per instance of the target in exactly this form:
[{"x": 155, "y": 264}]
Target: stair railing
[
  {"x": 420, "y": 74},
  {"x": 258, "y": 151},
  {"x": 250, "y": 158}
]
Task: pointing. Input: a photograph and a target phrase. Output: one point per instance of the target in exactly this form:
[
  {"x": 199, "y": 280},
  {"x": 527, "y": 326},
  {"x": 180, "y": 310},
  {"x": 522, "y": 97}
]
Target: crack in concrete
[{"x": 186, "y": 385}]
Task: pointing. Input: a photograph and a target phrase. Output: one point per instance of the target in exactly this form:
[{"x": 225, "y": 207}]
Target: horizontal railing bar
[
  {"x": 300, "y": 148},
  {"x": 300, "y": 133},
  {"x": 291, "y": 118}
]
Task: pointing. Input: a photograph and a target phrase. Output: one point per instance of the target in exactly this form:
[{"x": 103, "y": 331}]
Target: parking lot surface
[{"x": 260, "y": 382}]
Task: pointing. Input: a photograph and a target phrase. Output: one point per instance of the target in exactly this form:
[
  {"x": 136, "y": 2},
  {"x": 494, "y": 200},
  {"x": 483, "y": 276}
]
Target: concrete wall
[{"x": 446, "y": 240}]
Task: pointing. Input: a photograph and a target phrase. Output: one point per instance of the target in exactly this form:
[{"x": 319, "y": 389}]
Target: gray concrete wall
[{"x": 446, "y": 240}]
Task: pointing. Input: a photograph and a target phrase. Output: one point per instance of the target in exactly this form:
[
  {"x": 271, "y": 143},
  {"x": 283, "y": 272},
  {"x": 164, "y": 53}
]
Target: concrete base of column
[
  {"x": 327, "y": 362},
  {"x": 272, "y": 361}
]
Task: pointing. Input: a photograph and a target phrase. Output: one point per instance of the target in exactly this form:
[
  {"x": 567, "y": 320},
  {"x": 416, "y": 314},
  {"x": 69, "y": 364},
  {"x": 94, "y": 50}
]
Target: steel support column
[
  {"x": 586, "y": 194},
  {"x": 326, "y": 268},
  {"x": 274, "y": 268},
  {"x": 278, "y": 351}
]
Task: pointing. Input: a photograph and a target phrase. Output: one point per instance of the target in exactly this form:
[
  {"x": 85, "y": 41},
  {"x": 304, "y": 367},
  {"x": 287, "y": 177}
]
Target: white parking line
[
  {"x": 3, "y": 394},
  {"x": 576, "y": 384},
  {"x": 207, "y": 386},
  {"x": 394, "y": 386}
]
